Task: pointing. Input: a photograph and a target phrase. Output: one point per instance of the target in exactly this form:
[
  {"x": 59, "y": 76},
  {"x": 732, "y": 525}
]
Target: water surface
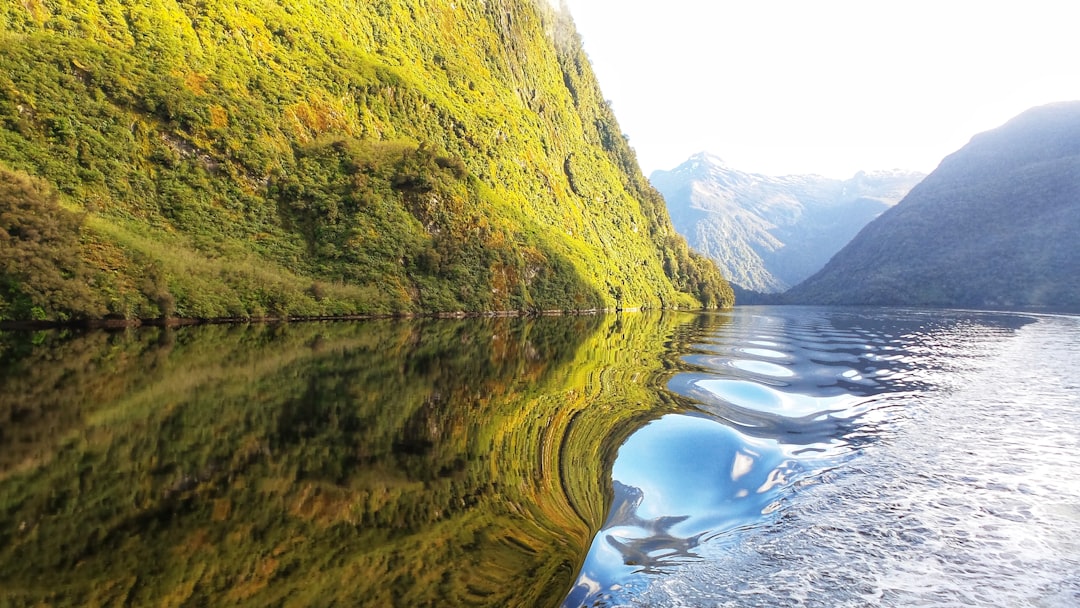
[
  {"x": 761, "y": 457},
  {"x": 451, "y": 463},
  {"x": 854, "y": 458}
]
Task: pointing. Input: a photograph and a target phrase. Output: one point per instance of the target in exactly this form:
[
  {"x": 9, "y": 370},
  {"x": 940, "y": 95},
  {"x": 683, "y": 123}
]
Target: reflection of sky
[
  {"x": 759, "y": 397},
  {"x": 765, "y": 352},
  {"x": 763, "y": 368},
  {"x": 687, "y": 465},
  {"x": 678, "y": 480},
  {"x": 778, "y": 398}
]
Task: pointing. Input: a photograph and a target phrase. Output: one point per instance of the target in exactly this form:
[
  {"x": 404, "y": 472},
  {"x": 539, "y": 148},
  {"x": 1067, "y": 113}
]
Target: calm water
[{"x": 765, "y": 457}]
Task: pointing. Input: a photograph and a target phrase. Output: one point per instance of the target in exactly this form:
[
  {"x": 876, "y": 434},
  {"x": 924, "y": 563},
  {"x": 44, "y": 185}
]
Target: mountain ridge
[
  {"x": 769, "y": 232},
  {"x": 992, "y": 227}
]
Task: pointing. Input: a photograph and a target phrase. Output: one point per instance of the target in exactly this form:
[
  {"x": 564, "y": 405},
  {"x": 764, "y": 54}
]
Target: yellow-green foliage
[
  {"x": 40, "y": 268},
  {"x": 249, "y": 158},
  {"x": 387, "y": 463}
]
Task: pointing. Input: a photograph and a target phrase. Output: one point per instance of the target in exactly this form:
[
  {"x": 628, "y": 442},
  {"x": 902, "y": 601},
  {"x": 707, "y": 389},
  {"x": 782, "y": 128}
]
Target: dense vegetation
[
  {"x": 387, "y": 463},
  {"x": 994, "y": 226},
  {"x": 248, "y": 159},
  {"x": 40, "y": 267}
]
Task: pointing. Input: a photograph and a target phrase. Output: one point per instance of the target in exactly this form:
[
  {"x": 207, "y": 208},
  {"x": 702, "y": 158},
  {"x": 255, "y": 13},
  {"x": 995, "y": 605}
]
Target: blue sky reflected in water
[
  {"x": 679, "y": 481},
  {"x": 704, "y": 501}
]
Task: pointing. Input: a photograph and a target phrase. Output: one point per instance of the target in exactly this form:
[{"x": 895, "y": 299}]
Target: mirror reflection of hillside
[{"x": 383, "y": 463}]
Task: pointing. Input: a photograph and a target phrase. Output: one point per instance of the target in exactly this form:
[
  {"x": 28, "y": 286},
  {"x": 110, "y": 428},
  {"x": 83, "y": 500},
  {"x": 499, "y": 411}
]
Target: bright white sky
[{"x": 825, "y": 86}]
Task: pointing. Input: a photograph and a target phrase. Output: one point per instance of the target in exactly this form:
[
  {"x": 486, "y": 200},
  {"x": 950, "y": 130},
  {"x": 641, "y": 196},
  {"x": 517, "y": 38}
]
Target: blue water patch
[
  {"x": 755, "y": 396},
  {"x": 762, "y": 368},
  {"x": 679, "y": 481},
  {"x": 739, "y": 500}
]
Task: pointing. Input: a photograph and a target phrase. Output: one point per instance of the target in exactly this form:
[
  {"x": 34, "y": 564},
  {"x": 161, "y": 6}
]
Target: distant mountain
[
  {"x": 768, "y": 233},
  {"x": 995, "y": 225}
]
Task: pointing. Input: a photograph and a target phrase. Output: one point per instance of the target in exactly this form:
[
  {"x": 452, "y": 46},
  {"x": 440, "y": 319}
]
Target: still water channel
[{"x": 770, "y": 456}]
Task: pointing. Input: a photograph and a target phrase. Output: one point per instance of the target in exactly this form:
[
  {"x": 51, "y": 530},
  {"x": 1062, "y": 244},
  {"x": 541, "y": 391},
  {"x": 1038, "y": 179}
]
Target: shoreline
[{"x": 189, "y": 321}]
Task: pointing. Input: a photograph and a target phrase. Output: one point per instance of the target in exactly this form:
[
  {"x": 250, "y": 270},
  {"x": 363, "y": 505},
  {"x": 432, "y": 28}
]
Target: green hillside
[{"x": 252, "y": 158}]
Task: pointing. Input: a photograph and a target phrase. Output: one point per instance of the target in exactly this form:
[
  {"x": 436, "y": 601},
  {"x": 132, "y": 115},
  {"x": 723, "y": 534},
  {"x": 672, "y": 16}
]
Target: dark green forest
[{"x": 250, "y": 159}]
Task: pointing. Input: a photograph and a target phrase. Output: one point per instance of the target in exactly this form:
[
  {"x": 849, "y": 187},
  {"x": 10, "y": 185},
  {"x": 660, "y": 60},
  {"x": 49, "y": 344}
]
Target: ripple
[
  {"x": 758, "y": 397},
  {"x": 852, "y": 458},
  {"x": 764, "y": 352},
  {"x": 678, "y": 482},
  {"x": 763, "y": 368}
]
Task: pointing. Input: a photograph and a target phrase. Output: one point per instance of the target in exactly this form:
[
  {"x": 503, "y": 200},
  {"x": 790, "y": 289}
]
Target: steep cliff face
[
  {"x": 245, "y": 158},
  {"x": 768, "y": 233},
  {"x": 994, "y": 225}
]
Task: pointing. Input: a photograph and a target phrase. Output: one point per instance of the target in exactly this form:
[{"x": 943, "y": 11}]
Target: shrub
[{"x": 42, "y": 276}]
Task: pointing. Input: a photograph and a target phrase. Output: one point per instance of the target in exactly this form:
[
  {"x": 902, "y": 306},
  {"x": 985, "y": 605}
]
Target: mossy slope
[{"x": 250, "y": 158}]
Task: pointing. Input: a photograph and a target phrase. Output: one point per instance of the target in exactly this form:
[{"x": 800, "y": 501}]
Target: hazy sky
[{"x": 825, "y": 86}]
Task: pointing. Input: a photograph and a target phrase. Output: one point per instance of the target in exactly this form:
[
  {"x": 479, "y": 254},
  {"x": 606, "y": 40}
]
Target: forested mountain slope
[
  {"x": 245, "y": 158},
  {"x": 995, "y": 225},
  {"x": 766, "y": 232}
]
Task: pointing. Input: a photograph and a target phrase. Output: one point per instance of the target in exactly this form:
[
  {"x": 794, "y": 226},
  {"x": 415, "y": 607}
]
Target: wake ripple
[{"x": 847, "y": 458}]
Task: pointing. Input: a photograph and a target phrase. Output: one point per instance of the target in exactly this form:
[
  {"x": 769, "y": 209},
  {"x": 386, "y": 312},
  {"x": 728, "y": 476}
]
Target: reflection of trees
[{"x": 382, "y": 463}]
